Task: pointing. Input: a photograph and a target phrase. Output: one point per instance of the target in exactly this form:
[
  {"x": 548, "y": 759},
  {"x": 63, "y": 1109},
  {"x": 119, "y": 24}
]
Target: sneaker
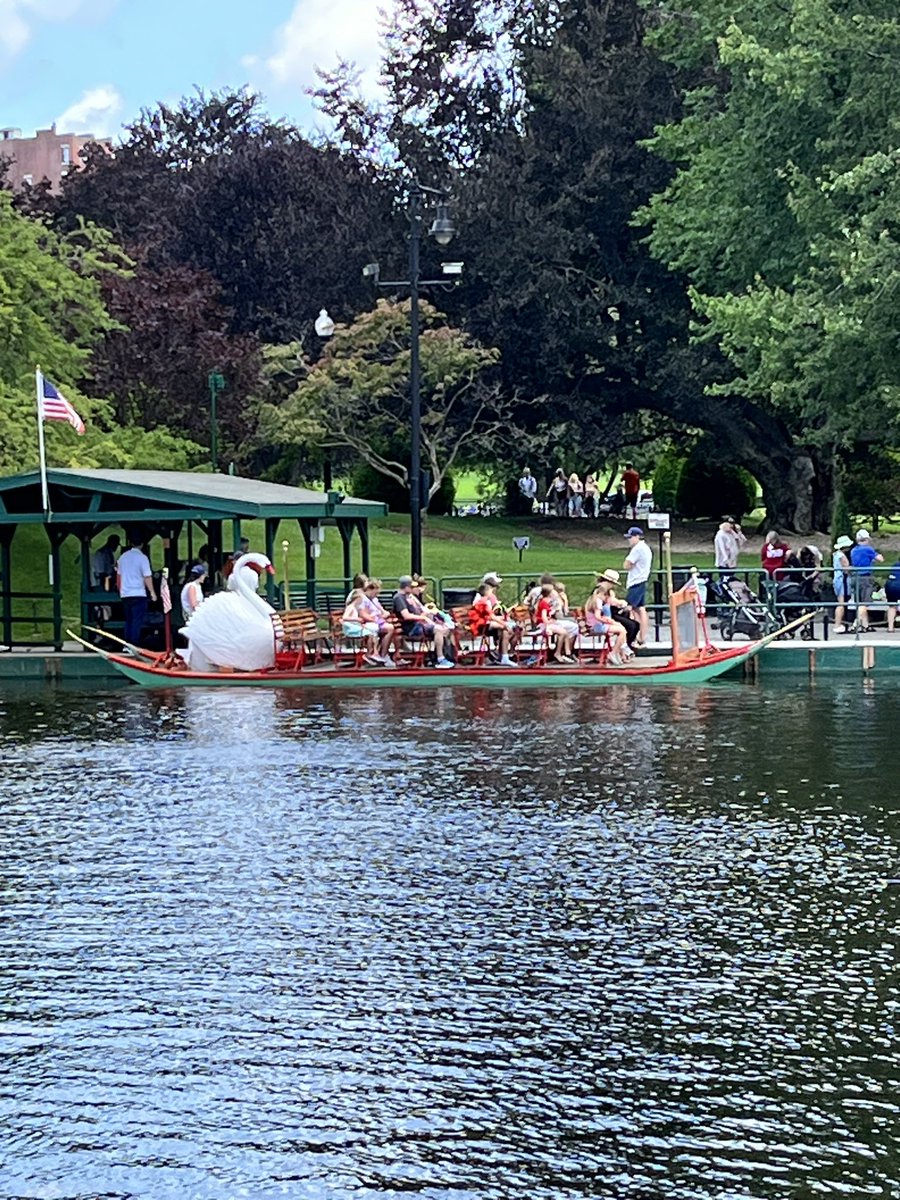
[
  {"x": 444, "y": 664},
  {"x": 506, "y": 661},
  {"x": 839, "y": 629},
  {"x": 388, "y": 664}
]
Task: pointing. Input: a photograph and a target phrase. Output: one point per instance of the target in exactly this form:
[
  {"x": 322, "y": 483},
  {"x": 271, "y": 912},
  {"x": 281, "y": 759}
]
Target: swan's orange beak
[{"x": 270, "y": 569}]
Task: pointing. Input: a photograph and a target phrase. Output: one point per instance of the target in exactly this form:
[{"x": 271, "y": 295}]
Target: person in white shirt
[
  {"x": 728, "y": 542},
  {"x": 134, "y": 577},
  {"x": 192, "y": 592},
  {"x": 528, "y": 486},
  {"x": 638, "y": 564}
]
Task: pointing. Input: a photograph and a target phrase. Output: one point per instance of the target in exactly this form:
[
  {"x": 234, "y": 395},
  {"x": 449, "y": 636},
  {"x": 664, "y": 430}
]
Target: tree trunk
[{"x": 798, "y": 484}]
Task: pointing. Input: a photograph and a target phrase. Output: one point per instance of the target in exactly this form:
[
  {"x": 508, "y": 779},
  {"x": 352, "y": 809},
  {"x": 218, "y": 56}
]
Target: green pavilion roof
[{"x": 88, "y": 496}]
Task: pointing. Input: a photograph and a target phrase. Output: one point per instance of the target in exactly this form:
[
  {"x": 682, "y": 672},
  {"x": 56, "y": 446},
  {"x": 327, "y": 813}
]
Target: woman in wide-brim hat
[{"x": 841, "y": 580}]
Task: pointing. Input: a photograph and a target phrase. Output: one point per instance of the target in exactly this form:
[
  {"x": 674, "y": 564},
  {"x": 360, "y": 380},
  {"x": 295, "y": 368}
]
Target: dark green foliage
[
  {"x": 872, "y": 484},
  {"x": 706, "y": 489},
  {"x": 666, "y": 477},
  {"x": 369, "y": 484},
  {"x": 841, "y": 518}
]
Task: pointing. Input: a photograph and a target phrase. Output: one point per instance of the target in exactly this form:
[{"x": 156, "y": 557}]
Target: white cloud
[
  {"x": 94, "y": 113},
  {"x": 320, "y": 32},
  {"x": 17, "y": 16}
]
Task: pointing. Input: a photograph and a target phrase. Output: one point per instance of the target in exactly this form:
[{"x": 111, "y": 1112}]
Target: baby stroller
[
  {"x": 796, "y": 600},
  {"x": 740, "y": 611}
]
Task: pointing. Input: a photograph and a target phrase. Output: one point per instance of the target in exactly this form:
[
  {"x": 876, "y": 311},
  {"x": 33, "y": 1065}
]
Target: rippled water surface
[{"x": 458, "y": 945}]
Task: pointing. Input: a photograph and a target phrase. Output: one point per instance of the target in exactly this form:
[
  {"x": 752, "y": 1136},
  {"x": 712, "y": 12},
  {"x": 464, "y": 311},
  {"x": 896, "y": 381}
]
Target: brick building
[{"x": 47, "y": 155}]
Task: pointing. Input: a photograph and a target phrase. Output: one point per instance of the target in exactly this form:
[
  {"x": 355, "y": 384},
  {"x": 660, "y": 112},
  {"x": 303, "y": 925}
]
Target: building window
[{"x": 66, "y": 155}]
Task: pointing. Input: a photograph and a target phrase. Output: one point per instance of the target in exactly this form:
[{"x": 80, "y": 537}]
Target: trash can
[{"x": 458, "y": 597}]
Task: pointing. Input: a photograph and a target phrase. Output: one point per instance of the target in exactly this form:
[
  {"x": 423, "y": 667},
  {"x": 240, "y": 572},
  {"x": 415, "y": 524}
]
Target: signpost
[
  {"x": 521, "y": 544},
  {"x": 662, "y": 523}
]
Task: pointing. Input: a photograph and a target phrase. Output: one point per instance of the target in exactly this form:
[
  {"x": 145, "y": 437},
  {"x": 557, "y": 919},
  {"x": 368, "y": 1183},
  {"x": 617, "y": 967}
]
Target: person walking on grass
[
  {"x": 631, "y": 481},
  {"x": 638, "y": 564},
  {"x": 728, "y": 542}
]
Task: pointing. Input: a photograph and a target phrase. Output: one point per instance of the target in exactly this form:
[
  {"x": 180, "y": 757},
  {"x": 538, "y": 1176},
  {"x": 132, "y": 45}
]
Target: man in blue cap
[{"x": 638, "y": 564}]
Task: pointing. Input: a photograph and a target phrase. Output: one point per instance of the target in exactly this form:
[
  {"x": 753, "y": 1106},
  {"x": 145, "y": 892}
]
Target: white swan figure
[{"x": 233, "y": 628}]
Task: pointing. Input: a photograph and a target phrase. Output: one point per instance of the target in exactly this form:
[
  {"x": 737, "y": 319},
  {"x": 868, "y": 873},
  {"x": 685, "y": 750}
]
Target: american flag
[
  {"x": 55, "y": 407},
  {"x": 164, "y": 594}
]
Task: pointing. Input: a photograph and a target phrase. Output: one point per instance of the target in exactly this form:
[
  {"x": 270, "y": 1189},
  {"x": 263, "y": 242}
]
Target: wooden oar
[{"x": 112, "y": 637}]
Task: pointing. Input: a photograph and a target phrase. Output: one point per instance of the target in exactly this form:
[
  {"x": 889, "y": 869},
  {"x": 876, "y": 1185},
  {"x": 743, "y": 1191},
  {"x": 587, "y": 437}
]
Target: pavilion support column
[
  {"x": 345, "y": 528},
  {"x": 272, "y": 524},
  {"x": 56, "y": 538},
  {"x": 7, "y": 533},
  {"x": 87, "y": 581},
  {"x": 307, "y": 528},
  {"x": 216, "y": 552}
]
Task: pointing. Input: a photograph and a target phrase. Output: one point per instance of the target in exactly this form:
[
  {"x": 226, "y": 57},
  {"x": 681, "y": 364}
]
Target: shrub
[
  {"x": 666, "y": 475},
  {"x": 708, "y": 489},
  {"x": 369, "y": 484}
]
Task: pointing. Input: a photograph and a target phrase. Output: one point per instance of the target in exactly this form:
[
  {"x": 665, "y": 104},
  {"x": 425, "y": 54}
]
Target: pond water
[{"x": 456, "y": 945}]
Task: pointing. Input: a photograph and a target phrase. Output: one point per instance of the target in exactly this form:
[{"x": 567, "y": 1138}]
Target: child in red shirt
[{"x": 544, "y": 615}]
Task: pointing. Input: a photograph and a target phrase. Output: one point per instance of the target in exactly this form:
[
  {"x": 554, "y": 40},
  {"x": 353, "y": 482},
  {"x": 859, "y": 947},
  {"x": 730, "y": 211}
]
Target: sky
[{"x": 90, "y": 65}]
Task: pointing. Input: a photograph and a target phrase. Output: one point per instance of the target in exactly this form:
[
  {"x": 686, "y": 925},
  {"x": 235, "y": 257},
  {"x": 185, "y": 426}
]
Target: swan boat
[{"x": 694, "y": 659}]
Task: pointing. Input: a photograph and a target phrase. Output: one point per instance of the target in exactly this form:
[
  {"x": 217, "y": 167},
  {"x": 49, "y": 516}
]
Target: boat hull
[{"x": 147, "y": 674}]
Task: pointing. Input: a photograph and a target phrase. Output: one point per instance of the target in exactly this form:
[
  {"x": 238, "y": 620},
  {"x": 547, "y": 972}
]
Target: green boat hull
[{"x": 698, "y": 672}]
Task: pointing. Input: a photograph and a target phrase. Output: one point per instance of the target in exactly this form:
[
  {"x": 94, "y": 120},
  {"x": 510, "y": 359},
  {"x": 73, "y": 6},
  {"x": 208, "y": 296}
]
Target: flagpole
[
  {"x": 166, "y": 598},
  {"x": 39, "y": 391}
]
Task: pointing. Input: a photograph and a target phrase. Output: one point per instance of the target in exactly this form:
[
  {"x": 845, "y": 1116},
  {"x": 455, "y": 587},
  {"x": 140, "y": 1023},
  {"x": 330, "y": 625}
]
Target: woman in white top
[
  {"x": 576, "y": 496},
  {"x": 192, "y": 592},
  {"x": 376, "y": 621}
]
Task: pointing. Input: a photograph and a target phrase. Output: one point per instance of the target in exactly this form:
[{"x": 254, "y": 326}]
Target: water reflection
[{"x": 475, "y": 944}]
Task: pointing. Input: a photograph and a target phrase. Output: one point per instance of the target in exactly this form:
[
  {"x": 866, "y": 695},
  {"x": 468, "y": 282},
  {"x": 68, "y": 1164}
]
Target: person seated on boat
[
  {"x": 420, "y": 590},
  {"x": 351, "y": 615},
  {"x": 192, "y": 592},
  {"x": 533, "y": 595},
  {"x": 417, "y": 623},
  {"x": 543, "y": 614},
  {"x": 376, "y": 624},
  {"x": 487, "y": 619},
  {"x": 562, "y": 614},
  {"x": 620, "y": 609},
  {"x": 599, "y": 618}
]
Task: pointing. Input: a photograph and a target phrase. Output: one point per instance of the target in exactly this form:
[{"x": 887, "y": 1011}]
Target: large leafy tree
[
  {"x": 356, "y": 396},
  {"x": 171, "y": 330},
  {"x": 783, "y": 213},
  {"x": 536, "y": 110},
  {"x": 52, "y": 315},
  {"x": 283, "y": 225}
]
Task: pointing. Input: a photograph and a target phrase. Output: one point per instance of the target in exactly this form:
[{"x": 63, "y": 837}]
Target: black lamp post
[
  {"x": 216, "y": 381},
  {"x": 442, "y": 231}
]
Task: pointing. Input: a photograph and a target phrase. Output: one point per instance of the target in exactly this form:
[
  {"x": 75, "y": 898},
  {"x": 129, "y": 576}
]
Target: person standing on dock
[
  {"x": 863, "y": 556},
  {"x": 134, "y": 576},
  {"x": 841, "y": 580},
  {"x": 638, "y": 564}
]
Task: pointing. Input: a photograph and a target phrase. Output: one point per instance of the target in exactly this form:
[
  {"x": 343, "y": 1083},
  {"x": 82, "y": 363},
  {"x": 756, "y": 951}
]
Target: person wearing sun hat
[
  {"x": 841, "y": 580},
  {"x": 638, "y": 564}
]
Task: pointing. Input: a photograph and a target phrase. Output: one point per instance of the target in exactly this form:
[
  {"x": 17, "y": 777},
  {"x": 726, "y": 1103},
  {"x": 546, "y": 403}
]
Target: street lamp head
[
  {"x": 442, "y": 229},
  {"x": 324, "y": 324}
]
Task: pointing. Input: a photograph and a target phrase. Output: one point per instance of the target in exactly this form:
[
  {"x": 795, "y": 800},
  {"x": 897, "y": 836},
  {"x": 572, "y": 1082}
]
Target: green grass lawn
[{"x": 455, "y": 549}]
